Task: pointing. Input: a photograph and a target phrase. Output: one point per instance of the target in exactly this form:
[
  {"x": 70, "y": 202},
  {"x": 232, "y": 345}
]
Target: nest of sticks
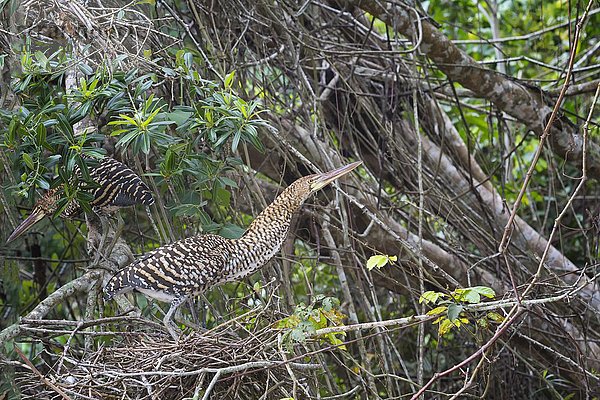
[{"x": 237, "y": 359}]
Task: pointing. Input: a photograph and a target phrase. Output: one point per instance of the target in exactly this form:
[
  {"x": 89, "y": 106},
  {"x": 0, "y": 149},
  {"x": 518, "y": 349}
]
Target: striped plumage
[
  {"x": 177, "y": 271},
  {"x": 117, "y": 185}
]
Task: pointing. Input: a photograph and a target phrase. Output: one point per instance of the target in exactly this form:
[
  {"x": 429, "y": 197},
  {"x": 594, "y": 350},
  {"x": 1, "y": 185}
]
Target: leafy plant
[
  {"x": 450, "y": 307},
  {"x": 307, "y": 319}
]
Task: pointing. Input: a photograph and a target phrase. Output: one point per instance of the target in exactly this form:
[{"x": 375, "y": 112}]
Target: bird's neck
[{"x": 265, "y": 235}]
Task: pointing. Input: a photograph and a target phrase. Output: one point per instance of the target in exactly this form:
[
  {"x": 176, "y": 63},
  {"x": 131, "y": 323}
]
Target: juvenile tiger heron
[
  {"x": 177, "y": 271},
  {"x": 117, "y": 186}
]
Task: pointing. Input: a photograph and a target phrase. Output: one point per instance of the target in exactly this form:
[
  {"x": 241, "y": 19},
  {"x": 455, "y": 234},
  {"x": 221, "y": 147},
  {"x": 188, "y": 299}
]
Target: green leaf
[
  {"x": 437, "y": 310},
  {"x": 468, "y": 295},
  {"x": 379, "y": 260},
  {"x": 42, "y": 183},
  {"x": 484, "y": 291},
  {"x": 495, "y": 317},
  {"x": 453, "y": 311},
  {"x": 430, "y": 297},
  {"x": 445, "y": 326},
  {"x": 28, "y": 161},
  {"x": 41, "y": 57},
  {"x": 188, "y": 59},
  {"x": 231, "y": 231},
  {"x": 86, "y": 69},
  {"x": 229, "y": 79}
]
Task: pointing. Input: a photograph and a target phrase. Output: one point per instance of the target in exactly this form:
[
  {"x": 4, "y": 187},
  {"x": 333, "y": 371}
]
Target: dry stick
[
  {"x": 491, "y": 305},
  {"x": 518, "y": 310},
  {"x": 421, "y": 328},
  {"x": 251, "y": 365},
  {"x": 80, "y": 284},
  {"x": 41, "y": 376},
  {"x": 567, "y": 206},
  {"x": 508, "y": 228},
  {"x": 528, "y": 36},
  {"x": 347, "y": 298},
  {"x": 370, "y": 325},
  {"x": 212, "y": 384},
  {"x": 185, "y": 26},
  {"x": 295, "y": 382},
  {"x": 372, "y": 215}
]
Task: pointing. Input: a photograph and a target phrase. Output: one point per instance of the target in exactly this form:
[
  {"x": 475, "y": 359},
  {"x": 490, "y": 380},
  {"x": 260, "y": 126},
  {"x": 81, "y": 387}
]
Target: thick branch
[
  {"x": 81, "y": 284},
  {"x": 526, "y": 103}
]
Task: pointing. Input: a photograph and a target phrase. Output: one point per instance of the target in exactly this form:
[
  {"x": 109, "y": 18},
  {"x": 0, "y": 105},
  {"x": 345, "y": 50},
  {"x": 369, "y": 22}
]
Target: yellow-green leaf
[
  {"x": 495, "y": 317},
  {"x": 445, "y": 327},
  {"x": 229, "y": 79},
  {"x": 430, "y": 297},
  {"x": 484, "y": 291},
  {"x": 379, "y": 260},
  {"x": 437, "y": 310}
]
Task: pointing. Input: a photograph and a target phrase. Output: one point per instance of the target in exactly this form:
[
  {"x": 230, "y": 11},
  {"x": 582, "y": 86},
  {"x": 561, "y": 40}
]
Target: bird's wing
[
  {"x": 119, "y": 185},
  {"x": 184, "y": 267}
]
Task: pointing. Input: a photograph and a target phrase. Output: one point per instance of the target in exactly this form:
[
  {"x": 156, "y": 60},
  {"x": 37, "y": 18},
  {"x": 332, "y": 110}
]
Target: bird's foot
[
  {"x": 195, "y": 326},
  {"x": 174, "y": 331}
]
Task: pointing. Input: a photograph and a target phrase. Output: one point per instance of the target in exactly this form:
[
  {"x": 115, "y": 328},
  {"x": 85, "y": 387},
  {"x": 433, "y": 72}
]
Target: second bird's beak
[
  {"x": 327, "y": 177},
  {"x": 35, "y": 217}
]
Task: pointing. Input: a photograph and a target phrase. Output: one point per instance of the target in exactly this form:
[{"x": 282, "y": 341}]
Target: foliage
[
  {"x": 41, "y": 136},
  {"x": 452, "y": 306},
  {"x": 179, "y": 92},
  {"x": 380, "y": 261},
  {"x": 323, "y": 312}
]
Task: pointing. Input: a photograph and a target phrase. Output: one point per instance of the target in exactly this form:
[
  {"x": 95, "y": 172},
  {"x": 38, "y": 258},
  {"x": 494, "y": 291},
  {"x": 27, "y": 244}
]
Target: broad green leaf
[
  {"x": 470, "y": 296},
  {"x": 484, "y": 291},
  {"x": 454, "y": 311},
  {"x": 379, "y": 260},
  {"x": 231, "y": 231}
]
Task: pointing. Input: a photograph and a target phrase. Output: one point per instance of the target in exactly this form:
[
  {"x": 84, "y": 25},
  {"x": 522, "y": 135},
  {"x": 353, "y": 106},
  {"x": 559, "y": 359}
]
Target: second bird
[
  {"x": 117, "y": 186},
  {"x": 180, "y": 270}
]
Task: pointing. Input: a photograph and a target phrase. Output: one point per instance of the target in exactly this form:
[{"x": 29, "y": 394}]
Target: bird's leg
[
  {"x": 116, "y": 234},
  {"x": 194, "y": 313},
  {"x": 104, "y": 224},
  {"x": 178, "y": 317},
  {"x": 168, "y": 319}
]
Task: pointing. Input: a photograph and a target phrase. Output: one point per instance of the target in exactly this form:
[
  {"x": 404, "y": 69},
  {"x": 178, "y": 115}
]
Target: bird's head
[
  {"x": 318, "y": 181},
  {"x": 45, "y": 206},
  {"x": 302, "y": 188}
]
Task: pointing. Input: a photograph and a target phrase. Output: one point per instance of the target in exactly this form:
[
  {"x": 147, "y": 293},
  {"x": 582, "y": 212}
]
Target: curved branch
[
  {"x": 527, "y": 103},
  {"x": 78, "y": 285}
]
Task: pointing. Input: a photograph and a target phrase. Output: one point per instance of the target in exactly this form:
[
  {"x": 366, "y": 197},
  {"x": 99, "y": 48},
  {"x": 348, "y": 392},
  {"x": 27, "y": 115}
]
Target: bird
[
  {"x": 117, "y": 185},
  {"x": 176, "y": 272}
]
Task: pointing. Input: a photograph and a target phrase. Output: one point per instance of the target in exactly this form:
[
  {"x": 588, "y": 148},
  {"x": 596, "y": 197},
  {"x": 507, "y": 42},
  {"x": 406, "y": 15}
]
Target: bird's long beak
[
  {"x": 36, "y": 216},
  {"x": 327, "y": 177}
]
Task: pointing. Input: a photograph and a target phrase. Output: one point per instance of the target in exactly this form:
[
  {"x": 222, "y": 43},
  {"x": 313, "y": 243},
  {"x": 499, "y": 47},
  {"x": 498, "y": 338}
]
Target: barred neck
[{"x": 265, "y": 235}]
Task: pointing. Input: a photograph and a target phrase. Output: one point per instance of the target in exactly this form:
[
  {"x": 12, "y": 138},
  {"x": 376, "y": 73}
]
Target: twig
[
  {"x": 39, "y": 374},
  {"x": 518, "y": 310}
]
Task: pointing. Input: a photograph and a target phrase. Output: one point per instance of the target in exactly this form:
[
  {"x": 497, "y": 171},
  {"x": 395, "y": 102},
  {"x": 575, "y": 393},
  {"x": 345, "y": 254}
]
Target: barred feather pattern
[
  {"x": 191, "y": 266},
  {"x": 117, "y": 186}
]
